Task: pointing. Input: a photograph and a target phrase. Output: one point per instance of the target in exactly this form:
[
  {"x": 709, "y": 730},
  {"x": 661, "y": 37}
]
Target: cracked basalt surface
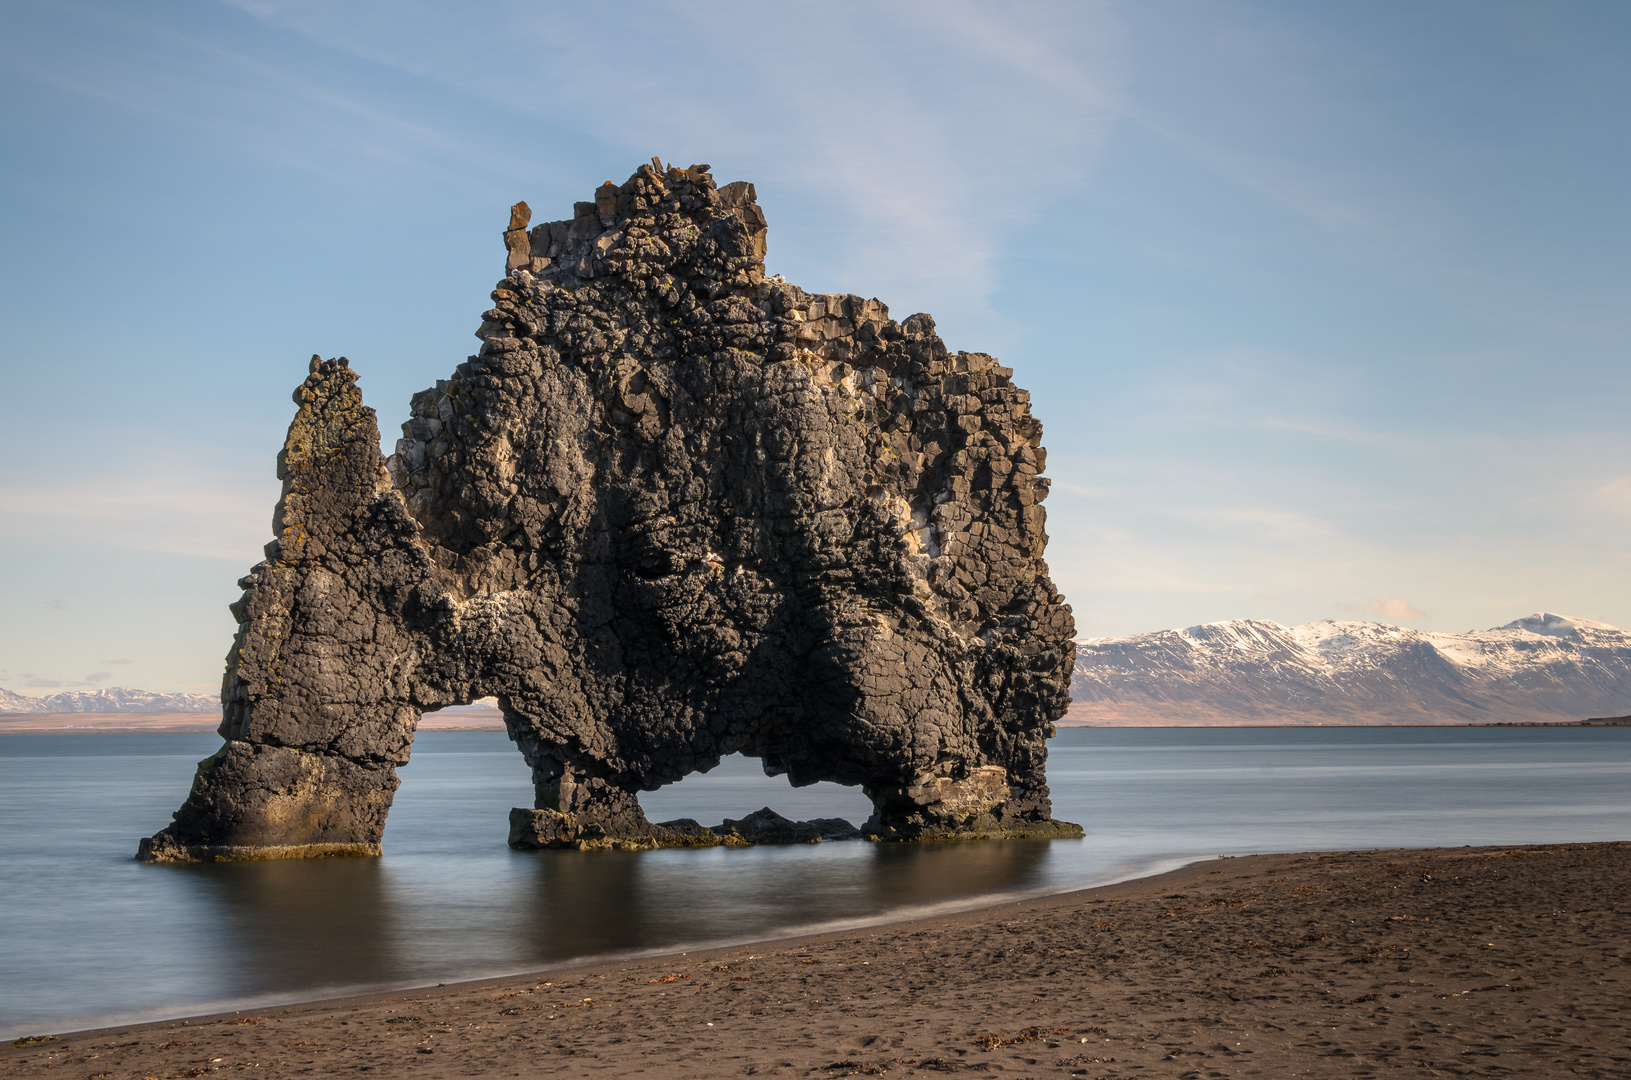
[{"x": 674, "y": 509}]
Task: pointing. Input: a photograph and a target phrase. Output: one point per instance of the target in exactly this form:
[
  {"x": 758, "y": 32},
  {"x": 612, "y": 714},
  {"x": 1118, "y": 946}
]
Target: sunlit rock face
[{"x": 673, "y": 510}]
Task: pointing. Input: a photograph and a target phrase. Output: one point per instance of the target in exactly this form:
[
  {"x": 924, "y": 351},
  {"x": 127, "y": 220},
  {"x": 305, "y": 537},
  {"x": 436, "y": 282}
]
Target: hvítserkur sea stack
[{"x": 672, "y": 510}]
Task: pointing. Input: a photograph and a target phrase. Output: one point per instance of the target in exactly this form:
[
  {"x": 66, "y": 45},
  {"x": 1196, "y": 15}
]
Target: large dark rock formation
[{"x": 673, "y": 510}]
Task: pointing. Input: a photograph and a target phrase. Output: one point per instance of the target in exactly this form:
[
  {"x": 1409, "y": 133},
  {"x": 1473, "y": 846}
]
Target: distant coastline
[
  {"x": 464, "y": 718},
  {"x": 1595, "y": 721},
  {"x": 1087, "y": 715},
  {"x": 1543, "y": 670},
  {"x": 488, "y": 718}
]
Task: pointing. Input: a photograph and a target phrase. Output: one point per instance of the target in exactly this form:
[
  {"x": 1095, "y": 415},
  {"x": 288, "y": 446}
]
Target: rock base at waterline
[{"x": 550, "y": 829}]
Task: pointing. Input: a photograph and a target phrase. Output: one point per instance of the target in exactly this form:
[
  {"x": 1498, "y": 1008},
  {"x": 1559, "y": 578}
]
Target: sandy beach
[{"x": 1433, "y": 962}]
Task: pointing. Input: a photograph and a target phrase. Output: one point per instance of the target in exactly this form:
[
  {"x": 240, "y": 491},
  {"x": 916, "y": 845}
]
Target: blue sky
[{"x": 1324, "y": 307}]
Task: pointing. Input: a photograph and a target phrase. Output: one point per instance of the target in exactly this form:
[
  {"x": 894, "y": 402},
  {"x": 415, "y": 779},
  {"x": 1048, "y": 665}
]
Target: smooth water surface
[{"x": 88, "y": 936}]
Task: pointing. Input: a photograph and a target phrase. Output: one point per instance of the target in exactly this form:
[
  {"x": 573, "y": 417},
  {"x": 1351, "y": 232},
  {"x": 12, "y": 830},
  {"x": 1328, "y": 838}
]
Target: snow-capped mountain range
[
  {"x": 1544, "y": 667},
  {"x": 1245, "y": 671},
  {"x": 116, "y": 699}
]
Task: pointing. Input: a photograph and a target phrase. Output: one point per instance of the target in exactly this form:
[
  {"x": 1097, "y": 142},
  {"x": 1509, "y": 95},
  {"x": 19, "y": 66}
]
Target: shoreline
[
  {"x": 830, "y": 929},
  {"x": 1263, "y": 948}
]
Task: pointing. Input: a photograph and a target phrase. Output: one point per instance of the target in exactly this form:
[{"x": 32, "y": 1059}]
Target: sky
[{"x": 1325, "y": 308}]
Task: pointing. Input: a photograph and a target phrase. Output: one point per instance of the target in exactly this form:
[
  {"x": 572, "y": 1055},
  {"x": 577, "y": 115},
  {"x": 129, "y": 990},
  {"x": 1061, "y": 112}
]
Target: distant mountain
[
  {"x": 10, "y": 702},
  {"x": 116, "y": 699},
  {"x": 1543, "y": 667}
]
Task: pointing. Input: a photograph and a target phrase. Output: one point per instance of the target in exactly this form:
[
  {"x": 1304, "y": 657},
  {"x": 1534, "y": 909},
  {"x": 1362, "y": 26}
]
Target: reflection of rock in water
[
  {"x": 585, "y": 905},
  {"x": 593, "y": 903},
  {"x": 910, "y": 875},
  {"x": 299, "y": 925},
  {"x": 673, "y": 510}
]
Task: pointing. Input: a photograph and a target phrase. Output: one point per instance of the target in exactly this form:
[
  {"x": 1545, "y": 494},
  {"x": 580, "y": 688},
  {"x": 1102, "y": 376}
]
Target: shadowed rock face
[{"x": 673, "y": 510}]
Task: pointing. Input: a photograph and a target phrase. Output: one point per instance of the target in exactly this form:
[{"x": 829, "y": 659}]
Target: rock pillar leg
[
  {"x": 318, "y": 704},
  {"x": 983, "y": 803},
  {"x": 271, "y": 802},
  {"x": 577, "y": 811}
]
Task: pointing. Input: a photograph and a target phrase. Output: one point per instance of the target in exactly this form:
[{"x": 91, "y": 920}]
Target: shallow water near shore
[{"x": 88, "y": 936}]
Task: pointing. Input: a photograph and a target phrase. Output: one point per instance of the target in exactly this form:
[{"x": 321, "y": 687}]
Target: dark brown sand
[{"x": 1445, "y": 962}]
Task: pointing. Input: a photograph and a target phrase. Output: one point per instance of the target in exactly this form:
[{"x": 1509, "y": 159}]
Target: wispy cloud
[
  {"x": 1311, "y": 198},
  {"x": 1612, "y": 495},
  {"x": 1394, "y": 607},
  {"x": 920, "y": 131},
  {"x": 1329, "y": 427},
  {"x": 1161, "y": 576},
  {"x": 1269, "y": 523},
  {"x": 200, "y": 514},
  {"x": 227, "y": 97}
]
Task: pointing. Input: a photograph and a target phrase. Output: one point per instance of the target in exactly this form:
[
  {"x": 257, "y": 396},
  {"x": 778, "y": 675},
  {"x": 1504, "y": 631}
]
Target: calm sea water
[{"x": 90, "y": 937}]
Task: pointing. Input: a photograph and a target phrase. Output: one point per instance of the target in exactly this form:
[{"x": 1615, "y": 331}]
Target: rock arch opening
[
  {"x": 456, "y": 789},
  {"x": 724, "y": 797}
]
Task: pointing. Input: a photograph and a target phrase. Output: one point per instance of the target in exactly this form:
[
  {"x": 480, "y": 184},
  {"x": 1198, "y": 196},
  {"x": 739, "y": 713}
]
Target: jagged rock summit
[{"x": 672, "y": 510}]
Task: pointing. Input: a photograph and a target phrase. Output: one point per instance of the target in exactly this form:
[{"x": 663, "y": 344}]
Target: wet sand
[{"x": 1436, "y": 962}]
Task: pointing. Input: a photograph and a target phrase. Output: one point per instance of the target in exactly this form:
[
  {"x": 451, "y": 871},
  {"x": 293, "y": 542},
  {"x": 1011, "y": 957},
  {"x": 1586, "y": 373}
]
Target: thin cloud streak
[
  {"x": 1272, "y": 180},
  {"x": 1612, "y": 496},
  {"x": 209, "y": 517},
  {"x": 868, "y": 122},
  {"x": 229, "y": 98},
  {"x": 1393, "y": 609}
]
